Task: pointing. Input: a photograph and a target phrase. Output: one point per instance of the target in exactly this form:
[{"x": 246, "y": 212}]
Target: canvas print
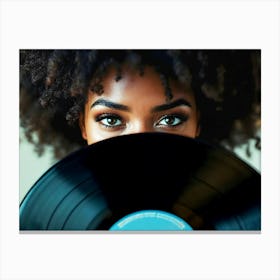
[{"x": 142, "y": 140}]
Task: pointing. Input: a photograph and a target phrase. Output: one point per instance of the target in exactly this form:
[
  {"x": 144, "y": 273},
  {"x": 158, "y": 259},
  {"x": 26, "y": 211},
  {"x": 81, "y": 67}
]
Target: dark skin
[{"x": 137, "y": 104}]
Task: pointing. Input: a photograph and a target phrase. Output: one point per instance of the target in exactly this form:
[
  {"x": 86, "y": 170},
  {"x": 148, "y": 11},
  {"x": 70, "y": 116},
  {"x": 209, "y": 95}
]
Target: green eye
[{"x": 110, "y": 121}]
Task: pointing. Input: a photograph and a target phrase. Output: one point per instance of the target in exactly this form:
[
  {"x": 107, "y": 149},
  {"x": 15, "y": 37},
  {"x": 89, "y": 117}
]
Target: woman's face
[{"x": 137, "y": 104}]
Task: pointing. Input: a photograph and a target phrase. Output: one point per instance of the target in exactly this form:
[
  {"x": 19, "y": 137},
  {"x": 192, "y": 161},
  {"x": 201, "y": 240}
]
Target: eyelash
[
  {"x": 102, "y": 117},
  {"x": 182, "y": 118}
]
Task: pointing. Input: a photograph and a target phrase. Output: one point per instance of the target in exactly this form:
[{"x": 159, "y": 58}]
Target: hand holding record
[{"x": 145, "y": 181}]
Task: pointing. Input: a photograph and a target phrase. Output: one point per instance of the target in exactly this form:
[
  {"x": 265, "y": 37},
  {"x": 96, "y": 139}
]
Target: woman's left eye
[{"x": 171, "y": 120}]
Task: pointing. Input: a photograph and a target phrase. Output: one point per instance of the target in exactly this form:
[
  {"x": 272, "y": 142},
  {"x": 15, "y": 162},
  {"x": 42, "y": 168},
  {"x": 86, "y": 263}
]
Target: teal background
[{"x": 31, "y": 166}]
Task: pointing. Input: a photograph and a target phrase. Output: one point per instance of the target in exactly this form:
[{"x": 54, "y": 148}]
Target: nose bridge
[{"x": 141, "y": 126}]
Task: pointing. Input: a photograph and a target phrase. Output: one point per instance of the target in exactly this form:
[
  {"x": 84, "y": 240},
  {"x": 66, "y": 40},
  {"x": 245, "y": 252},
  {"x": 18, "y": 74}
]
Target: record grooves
[{"x": 95, "y": 187}]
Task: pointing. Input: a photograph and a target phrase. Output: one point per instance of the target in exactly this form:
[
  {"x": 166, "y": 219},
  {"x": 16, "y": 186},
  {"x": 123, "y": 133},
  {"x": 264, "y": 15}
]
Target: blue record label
[{"x": 151, "y": 220}]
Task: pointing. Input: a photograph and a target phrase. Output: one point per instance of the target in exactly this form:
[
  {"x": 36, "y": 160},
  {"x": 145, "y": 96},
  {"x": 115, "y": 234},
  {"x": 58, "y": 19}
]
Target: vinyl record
[{"x": 147, "y": 181}]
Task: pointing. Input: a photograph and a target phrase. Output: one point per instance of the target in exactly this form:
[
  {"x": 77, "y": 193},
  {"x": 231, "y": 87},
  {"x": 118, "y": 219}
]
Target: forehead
[{"x": 134, "y": 85}]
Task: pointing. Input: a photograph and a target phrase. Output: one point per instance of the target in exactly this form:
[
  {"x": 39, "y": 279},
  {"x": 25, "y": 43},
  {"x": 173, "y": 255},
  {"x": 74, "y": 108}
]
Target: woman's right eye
[{"x": 109, "y": 120}]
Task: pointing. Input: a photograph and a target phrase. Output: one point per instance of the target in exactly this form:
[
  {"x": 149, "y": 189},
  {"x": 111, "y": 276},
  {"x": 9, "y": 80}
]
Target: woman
[{"x": 71, "y": 98}]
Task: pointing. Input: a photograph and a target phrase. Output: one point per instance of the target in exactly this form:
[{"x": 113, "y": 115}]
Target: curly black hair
[{"x": 54, "y": 86}]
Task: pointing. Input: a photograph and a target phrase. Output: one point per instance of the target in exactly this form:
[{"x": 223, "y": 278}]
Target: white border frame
[{"x": 139, "y": 24}]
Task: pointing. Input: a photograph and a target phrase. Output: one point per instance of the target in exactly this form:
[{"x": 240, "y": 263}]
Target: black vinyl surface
[{"x": 91, "y": 189}]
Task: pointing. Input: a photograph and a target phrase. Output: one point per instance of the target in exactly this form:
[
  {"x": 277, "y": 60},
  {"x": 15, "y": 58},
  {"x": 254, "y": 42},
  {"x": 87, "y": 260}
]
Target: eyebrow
[
  {"x": 171, "y": 105},
  {"x": 110, "y": 104},
  {"x": 158, "y": 108}
]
